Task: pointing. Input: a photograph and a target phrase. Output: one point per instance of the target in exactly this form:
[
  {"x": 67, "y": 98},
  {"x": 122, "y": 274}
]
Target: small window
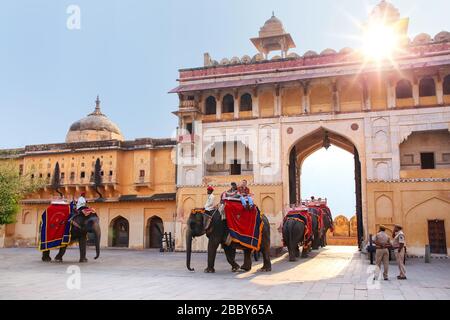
[
  {"x": 235, "y": 168},
  {"x": 40, "y": 175},
  {"x": 427, "y": 87},
  {"x": 82, "y": 164},
  {"x": 210, "y": 105},
  {"x": 447, "y": 85},
  {"x": 191, "y": 98},
  {"x": 32, "y": 176},
  {"x": 82, "y": 175},
  {"x": 72, "y": 175},
  {"x": 228, "y": 104},
  {"x": 48, "y": 175},
  {"x": 21, "y": 169},
  {"x": 189, "y": 127},
  {"x": 403, "y": 90},
  {"x": 142, "y": 173},
  {"x": 427, "y": 160},
  {"x": 246, "y": 102},
  {"x": 110, "y": 173},
  {"x": 102, "y": 173},
  {"x": 63, "y": 175}
]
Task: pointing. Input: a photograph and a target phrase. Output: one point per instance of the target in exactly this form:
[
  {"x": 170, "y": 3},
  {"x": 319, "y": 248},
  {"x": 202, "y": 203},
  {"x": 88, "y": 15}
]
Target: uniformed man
[
  {"x": 382, "y": 253},
  {"x": 399, "y": 244}
]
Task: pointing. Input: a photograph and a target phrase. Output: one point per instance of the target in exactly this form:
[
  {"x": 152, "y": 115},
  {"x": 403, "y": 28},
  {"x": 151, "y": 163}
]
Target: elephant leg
[
  {"x": 247, "y": 266},
  {"x": 230, "y": 253},
  {"x": 46, "y": 256},
  {"x": 292, "y": 248},
  {"x": 267, "y": 265},
  {"x": 59, "y": 256},
  {"x": 305, "y": 250},
  {"x": 297, "y": 252},
  {"x": 316, "y": 242},
  {"x": 82, "y": 243},
  {"x": 212, "y": 251}
]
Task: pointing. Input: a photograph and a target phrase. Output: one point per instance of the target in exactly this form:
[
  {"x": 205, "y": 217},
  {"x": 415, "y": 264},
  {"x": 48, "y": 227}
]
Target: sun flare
[{"x": 380, "y": 42}]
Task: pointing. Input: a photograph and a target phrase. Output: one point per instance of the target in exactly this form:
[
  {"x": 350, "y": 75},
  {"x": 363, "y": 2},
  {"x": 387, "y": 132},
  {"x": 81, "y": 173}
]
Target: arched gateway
[{"x": 307, "y": 145}]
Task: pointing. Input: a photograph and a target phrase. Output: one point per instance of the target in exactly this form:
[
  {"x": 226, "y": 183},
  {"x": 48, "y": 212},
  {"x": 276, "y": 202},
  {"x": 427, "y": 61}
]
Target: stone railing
[{"x": 188, "y": 104}]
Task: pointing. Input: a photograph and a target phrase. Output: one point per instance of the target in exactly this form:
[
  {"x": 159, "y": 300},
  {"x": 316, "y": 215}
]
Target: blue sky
[{"x": 129, "y": 52}]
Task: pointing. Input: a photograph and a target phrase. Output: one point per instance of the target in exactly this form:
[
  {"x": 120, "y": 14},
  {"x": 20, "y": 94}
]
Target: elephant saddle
[
  {"x": 245, "y": 226},
  {"x": 55, "y": 226},
  {"x": 87, "y": 211}
]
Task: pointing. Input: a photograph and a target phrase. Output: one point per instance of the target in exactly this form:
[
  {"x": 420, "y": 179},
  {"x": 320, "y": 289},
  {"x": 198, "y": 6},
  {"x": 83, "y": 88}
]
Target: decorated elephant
[
  {"x": 74, "y": 230},
  {"x": 216, "y": 229},
  {"x": 324, "y": 222},
  {"x": 298, "y": 232}
]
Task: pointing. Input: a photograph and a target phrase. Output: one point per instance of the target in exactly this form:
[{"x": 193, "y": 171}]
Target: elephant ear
[{"x": 207, "y": 222}]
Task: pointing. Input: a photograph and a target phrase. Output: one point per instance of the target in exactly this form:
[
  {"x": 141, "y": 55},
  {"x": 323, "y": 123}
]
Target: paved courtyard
[{"x": 332, "y": 273}]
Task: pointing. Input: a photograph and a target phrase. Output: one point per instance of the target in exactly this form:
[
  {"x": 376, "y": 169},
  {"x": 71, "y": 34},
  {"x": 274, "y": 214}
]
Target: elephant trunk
[
  {"x": 97, "y": 233},
  {"x": 189, "y": 248}
]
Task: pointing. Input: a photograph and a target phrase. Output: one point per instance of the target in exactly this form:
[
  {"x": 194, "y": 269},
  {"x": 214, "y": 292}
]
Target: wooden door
[
  {"x": 156, "y": 232},
  {"x": 436, "y": 236}
]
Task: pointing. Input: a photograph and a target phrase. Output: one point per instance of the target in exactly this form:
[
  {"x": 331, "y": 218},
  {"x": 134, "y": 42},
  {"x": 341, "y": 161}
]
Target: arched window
[
  {"x": 427, "y": 87},
  {"x": 228, "y": 104},
  {"x": 447, "y": 85},
  {"x": 246, "y": 102},
  {"x": 210, "y": 105},
  {"x": 403, "y": 90}
]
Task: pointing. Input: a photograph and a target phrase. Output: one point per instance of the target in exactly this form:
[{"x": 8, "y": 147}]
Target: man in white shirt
[
  {"x": 81, "y": 202},
  {"x": 209, "y": 205}
]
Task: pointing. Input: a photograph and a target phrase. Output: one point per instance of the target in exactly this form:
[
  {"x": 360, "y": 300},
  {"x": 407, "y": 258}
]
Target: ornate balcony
[{"x": 188, "y": 104}]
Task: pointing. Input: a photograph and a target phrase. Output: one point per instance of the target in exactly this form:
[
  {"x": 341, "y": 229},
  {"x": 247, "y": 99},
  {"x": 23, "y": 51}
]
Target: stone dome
[
  {"x": 385, "y": 11},
  {"x": 272, "y": 27},
  {"x": 95, "y": 127}
]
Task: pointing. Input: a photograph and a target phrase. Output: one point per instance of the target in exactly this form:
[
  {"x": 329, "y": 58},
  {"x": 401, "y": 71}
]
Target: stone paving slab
[{"x": 334, "y": 272}]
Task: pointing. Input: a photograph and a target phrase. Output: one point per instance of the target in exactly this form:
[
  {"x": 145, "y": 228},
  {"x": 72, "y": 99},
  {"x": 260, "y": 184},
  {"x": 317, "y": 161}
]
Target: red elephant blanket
[
  {"x": 55, "y": 227},
  {"x": 245, "y": 226}
]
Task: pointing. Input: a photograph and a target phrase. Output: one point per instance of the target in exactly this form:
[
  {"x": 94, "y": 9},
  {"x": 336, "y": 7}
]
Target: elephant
[
  {"x": 216, "y": 233},
  {"x": 328, "y": 224},
  {"x": 81, "y": 226},
  {"x": 294, "y": 235},
  {"x": 320, "y": 234}
]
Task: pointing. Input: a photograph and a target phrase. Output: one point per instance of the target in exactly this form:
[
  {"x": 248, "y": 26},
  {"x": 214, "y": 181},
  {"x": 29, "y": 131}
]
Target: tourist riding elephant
[
  {"x": 294, "y": 235},
  {"x": 81, "y": 226},
  {"x": 216, "y": 233}
]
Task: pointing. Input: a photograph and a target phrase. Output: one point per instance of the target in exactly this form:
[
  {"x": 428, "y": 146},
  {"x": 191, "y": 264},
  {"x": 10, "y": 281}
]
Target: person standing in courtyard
[
  {"x": 383, "y": 244},
  {"x": 399, "y": 244}
]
